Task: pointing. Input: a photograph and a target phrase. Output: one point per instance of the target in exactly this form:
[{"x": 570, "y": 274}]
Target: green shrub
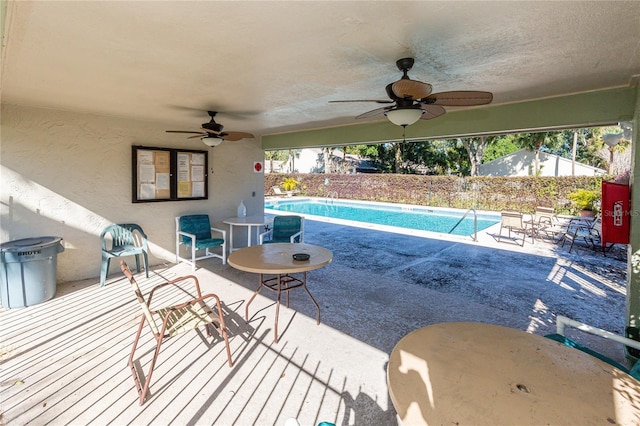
[{"x": 585, "y": 199}]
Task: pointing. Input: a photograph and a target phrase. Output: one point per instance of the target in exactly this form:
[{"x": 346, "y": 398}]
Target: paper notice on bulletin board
[
  {"x": 184, "y": 189},
  {"x": 147, "y": 173},
  {"x": 147, "y": 191},
  {"x": 183, "y": 168},
  {"x": 145, "y": 157},
  {"x": 197, "y": 159},
  {"x": 162, "y": 181},
  {"x": 198, "y": 189},
  {"x": 197, "y": 173},
  {"x": 162, "y": 162}
]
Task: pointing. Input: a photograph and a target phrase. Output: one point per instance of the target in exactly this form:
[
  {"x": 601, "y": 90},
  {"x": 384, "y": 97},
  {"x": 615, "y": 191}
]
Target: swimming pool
[{"x": 404, "y": 216}]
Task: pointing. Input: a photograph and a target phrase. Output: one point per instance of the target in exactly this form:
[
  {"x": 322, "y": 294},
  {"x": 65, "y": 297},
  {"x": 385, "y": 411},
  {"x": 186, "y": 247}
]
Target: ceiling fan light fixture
[
  {"x": 404, "y": 116},
  {"x": 212, "y": 141}
]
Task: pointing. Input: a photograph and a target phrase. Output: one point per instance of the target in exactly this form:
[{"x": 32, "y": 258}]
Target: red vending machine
[{"x": 615, "y": 213}]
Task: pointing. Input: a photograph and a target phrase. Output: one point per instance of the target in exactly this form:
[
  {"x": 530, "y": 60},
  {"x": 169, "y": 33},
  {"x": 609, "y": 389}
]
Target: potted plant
[
  {"x": 585, "y": 201},
  {"x": 289, "y": 185}
]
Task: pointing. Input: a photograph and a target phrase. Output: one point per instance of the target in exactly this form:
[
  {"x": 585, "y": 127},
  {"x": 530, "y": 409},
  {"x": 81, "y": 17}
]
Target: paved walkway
[{"x": 64, "y": 361}]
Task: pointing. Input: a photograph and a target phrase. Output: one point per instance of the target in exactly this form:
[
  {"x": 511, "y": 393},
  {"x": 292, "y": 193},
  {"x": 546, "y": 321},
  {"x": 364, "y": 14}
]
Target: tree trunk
[
  {"x": 398, "y": 152},
  {"x": 536, "y": 167},
  {"x": 475, "y": 149},
  {"x": 326, "y": 158}
]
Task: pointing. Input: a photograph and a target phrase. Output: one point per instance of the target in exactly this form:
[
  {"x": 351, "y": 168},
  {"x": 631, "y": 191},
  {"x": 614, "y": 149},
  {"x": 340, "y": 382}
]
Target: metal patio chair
[
  {"x": 513, "y": 221},
  {"x": 195, "y": 232},
  {"x": 173, "y": 320},
  {"x": 588, "y": 232}
]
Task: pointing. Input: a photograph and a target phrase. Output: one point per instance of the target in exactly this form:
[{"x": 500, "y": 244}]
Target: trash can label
[{"x": 29, "y": 253}]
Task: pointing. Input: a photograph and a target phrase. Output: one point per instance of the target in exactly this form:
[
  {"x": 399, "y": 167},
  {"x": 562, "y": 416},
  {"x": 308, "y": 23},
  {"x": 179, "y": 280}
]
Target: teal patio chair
[
  {"x": 559, "y": 336},
  {"x": 194, "y": 231},
  {"x": 127, "y": 239},
  {"x": 285, "y": 229}
]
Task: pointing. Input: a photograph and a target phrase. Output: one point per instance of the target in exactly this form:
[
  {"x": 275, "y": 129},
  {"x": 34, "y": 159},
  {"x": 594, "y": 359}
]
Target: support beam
[
  {"x": 590, "y": 109},
  {"x": 633, "y": 272}
]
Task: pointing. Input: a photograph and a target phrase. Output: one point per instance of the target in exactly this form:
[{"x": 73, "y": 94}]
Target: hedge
[{"x": 483, "y": 193}]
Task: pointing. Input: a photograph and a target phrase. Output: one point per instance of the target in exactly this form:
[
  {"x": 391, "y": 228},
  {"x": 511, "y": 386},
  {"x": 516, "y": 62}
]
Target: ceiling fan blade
[
  {"x": 411, "y": 89},
  {"x": 460, "y": 98},
  {"x": 199, "y": 135},
  {"x": 431, "y": 111},
  {"x": 235, "y": 136},
  {"x": 182, "y": 131},
  {"x": 379, "y": 101},
  {"x": 374, "y": 112},
  {"x": 211, "y": 132}
]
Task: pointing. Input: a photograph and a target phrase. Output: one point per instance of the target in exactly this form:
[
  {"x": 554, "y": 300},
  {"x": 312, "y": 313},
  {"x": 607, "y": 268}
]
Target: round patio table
[
  {"x": 249, "y": 222},
  {"x": 464, "y": 373},
  {"x": 277, "y": 259}
]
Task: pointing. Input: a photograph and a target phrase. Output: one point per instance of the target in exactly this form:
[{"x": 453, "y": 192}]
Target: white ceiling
[{"x": 272, "y": 67}]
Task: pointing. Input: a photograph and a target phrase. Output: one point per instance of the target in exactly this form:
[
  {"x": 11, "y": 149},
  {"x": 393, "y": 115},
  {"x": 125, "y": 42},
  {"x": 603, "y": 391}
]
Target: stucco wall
[{"x": 69, "y": 175}]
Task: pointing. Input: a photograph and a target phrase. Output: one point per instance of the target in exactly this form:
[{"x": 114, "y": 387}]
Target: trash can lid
[{"x": 27, "y": 244}]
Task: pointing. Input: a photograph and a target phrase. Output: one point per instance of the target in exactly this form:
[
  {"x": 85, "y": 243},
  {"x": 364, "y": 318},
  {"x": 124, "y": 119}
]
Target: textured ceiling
[{"x": 272, "y": 67}]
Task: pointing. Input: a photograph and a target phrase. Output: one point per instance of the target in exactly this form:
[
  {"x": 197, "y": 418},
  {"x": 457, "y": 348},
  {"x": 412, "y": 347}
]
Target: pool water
[{"x": 411, "y": 217}]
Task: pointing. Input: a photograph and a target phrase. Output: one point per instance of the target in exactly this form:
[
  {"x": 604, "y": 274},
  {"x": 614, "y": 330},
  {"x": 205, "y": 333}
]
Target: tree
[
  {"x": 500, "y": 146},
  {"x": 475, "y": 149},
  {"x": 272, "y": 156},
  {"x": 537, "y": 141}
]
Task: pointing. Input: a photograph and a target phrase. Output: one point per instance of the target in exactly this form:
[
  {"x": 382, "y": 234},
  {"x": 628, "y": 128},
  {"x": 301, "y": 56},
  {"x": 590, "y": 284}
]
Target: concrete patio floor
[{"x": 65, "y": 361}]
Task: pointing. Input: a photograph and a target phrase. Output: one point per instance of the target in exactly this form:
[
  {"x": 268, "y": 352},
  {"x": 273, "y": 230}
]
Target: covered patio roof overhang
[{"x": 589, "y": 109}]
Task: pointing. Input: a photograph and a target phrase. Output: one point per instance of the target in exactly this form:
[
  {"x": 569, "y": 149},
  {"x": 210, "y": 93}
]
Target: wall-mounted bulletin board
[{"x": 167, "y": 174}]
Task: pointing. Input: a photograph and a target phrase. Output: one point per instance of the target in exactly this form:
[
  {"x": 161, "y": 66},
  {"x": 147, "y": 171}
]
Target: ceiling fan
[
  {"x": 212, "y": 134},
  {"x": 412, "y": 99}
]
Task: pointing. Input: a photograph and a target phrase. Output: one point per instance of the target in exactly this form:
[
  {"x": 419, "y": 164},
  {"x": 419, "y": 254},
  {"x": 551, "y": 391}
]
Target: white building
[{"x": 522, "y": 163}]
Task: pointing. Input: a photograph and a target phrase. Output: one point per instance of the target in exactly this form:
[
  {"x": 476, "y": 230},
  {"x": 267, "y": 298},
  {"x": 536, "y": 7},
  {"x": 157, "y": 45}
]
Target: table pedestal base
[{"x": 282, "y": 283}]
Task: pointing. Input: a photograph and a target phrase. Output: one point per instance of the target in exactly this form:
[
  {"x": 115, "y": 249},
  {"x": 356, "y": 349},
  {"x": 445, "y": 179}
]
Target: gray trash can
[{"x": 29, "y": 270}]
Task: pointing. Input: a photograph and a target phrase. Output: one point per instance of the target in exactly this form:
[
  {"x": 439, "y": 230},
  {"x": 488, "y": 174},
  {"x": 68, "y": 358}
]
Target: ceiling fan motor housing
[{"x": 213, "y": 126}]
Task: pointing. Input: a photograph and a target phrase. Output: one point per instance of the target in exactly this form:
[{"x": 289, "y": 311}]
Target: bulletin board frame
[{"x": 168, "y": 174}]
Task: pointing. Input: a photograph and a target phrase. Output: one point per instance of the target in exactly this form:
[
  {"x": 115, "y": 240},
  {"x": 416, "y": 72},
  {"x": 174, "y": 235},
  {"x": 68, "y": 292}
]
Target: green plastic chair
[
  {"x": 194, "y": 231},
  {"x": 285, "y": 229},
  {"x": 127, "y": 239}
]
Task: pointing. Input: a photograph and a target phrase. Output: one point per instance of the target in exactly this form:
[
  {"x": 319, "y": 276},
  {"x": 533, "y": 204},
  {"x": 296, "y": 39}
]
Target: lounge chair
[
  {"x": 588, "y": 232},
  {"x": 513, "y": 221},
  {"x": 542, "y": 218},
  {"x": 277, "y": 191}
]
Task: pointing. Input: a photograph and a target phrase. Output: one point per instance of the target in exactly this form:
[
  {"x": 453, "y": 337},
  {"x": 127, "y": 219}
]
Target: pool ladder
[
  {"x": 475, "y": 223},
  {"x": 331, "y": 197}
]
